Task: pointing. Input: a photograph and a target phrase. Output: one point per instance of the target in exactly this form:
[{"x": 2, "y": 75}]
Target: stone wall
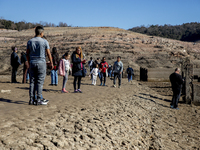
[{"x": 196, "y": 93}]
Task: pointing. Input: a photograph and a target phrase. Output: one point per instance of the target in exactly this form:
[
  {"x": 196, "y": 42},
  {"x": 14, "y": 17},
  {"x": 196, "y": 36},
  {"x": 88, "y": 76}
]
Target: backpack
[{"x": 129, "y": 71}]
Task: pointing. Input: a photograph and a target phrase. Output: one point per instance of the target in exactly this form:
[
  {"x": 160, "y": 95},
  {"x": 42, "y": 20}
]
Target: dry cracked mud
[{"x": 134, "y": 117}]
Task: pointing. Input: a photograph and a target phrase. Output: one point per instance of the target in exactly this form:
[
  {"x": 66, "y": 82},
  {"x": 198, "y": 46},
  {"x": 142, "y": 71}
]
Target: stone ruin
[{"x": 191, "y": 86}]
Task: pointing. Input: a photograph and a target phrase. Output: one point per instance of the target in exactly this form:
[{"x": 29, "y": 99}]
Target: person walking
[
  {"x": 26, "y": 66},
  {"x": 117, "y": 70},
  {"x": 129, "y": 72},
  {"x": 64, "y": 68},
  {"x": 54, "y": 74},
  {"x": 103, "y": 68},
  {"x": 78, "y": 69},
  {"x": 176, "y": 82},
  {"x": 36, "y": 48},
  {"x": 95, "y": 72},
  {"x": 15, "y": 63}
]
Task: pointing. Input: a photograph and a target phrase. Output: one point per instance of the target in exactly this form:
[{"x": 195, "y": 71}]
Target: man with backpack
[{"x": 129, "y": 72}]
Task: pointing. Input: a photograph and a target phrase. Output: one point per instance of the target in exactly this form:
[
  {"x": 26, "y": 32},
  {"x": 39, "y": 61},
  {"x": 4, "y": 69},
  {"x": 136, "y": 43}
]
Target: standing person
[
  {"x": 129, "y": 72},
  {"x": 117, "y": 70},
  {"x": 95, "y": 72},
  {"x": 36, "y": 48},
  {"x": 176, "y": 82},
  {"x": 64, "y": 68},
  {"x": 26, "y": 66},
  {"x": 54, "y": 74},
  {"x": 110, "y": 71},
  {"x": 103, "y": 68},
  {"x": 90, "y": 64},
  {"x": 78, "y": 69},
  {"x": 15, "y": 63},
  {"x": 98, "y": 62}
]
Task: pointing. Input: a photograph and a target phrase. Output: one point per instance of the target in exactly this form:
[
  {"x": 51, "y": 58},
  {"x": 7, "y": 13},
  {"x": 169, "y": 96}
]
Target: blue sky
[{"x": 115, "y": 13}]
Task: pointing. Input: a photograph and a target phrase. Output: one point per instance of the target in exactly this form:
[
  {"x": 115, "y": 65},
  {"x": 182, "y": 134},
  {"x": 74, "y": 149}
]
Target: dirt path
[{"x": 133, "y": 117}]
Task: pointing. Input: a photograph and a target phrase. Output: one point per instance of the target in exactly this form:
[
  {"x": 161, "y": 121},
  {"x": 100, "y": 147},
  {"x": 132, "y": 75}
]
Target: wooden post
[{"x": 187, "y": 73}]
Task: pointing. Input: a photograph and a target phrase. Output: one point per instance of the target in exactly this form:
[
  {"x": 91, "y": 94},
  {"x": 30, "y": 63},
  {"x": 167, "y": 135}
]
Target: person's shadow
[{"x": 11, "y": 101}]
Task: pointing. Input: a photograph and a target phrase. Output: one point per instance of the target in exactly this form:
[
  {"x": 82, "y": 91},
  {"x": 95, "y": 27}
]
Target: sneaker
[
  {"x": 104, "y": 85},
  {"x": 75, "y": 91},
  {"x": 31, "y": 102},
  {"x": 45, "y": 100},
  {"x": 80, "y": 91},
  {"x": 176, "y": 108},
  {"x": 64, "y": 91},
  {"x": 101, "y": 84},
  {"x": 171, "y": 106},
  {"x": 40, "y": 102},
  {"x": 114, "y": 86}
]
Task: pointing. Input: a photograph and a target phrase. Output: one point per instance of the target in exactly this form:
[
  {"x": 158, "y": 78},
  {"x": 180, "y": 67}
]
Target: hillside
[
  {"x": 136, "y": 49},
  {"x": 185, "y": 32}
]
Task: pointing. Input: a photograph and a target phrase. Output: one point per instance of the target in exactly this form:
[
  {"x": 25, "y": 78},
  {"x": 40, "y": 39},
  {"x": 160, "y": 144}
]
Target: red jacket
[{"x": 103, "y": 67}]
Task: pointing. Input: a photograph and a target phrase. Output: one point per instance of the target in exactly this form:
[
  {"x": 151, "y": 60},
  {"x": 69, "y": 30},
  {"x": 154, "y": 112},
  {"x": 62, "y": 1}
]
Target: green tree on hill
[{"x": 185, "y": 32}]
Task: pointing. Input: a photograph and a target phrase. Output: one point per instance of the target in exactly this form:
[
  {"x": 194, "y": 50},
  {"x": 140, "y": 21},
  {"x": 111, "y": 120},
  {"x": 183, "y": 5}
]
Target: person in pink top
[
  {"x": 103, "y": 67},
  {"x": 64, "y": 68}
]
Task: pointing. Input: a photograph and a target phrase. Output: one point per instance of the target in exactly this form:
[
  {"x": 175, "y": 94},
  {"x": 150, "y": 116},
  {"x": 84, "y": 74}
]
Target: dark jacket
[
  {"x": 77, "y": 71},
  {"x": 15, "y": 61},
  {"x": 130, "y": 71},
  {"x": 55, "y": 59},
  {"x": 95, "y": 63},
  {"x": 176, "y": 81}
]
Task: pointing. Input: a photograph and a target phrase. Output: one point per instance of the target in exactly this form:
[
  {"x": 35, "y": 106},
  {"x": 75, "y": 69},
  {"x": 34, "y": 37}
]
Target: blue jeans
[
  {"x": 27, "y": 75},
  {"x": 110, "y": 73},
  {"x": 103, "y": 76},
  {"x": 37, "y": 76},
  {"x": 129, "y": 77},
  {"x": 54, "y": 77},
  {"x": 99, "y": 74}
]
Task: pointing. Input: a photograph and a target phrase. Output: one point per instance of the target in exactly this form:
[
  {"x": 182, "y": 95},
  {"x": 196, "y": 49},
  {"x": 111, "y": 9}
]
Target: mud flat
[{"x": 133, "y": 117}]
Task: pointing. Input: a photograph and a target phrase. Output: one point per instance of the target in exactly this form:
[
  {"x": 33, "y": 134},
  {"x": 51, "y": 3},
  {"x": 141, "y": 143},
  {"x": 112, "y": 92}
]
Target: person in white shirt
[
  {"x": 64, "y": 69},
  {"x": 94, "y": 73}
]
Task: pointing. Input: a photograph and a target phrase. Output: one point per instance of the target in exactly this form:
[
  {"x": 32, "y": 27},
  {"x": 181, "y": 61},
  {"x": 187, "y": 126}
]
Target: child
[
  {"x": 64, "y": 68},
  {"x": 94, "y": 72}
]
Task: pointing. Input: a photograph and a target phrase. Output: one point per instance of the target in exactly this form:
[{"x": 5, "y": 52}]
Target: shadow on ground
[{"x": 11, "y": 101}]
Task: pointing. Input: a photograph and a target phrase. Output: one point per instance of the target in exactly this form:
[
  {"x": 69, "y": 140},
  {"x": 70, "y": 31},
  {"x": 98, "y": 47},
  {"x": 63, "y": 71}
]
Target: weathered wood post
[
  {"x": 187, "y": 73},
  {"x": 143, "y": 74}
]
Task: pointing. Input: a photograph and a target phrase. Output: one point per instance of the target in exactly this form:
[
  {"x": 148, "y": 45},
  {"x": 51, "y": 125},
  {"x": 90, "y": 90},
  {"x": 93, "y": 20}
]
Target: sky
[{"x": 112, "y": 13}]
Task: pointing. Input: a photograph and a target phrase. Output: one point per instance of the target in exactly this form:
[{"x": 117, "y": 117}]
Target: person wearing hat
[{"x": 15, "y": 63}]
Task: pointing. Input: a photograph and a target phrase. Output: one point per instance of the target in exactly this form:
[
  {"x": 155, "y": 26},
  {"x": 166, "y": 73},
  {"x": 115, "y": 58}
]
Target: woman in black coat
[{"x": 78, "y": 69}]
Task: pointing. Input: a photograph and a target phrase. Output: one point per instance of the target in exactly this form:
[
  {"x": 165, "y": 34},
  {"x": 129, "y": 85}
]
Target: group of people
[{"x": 34, "y": 60}]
